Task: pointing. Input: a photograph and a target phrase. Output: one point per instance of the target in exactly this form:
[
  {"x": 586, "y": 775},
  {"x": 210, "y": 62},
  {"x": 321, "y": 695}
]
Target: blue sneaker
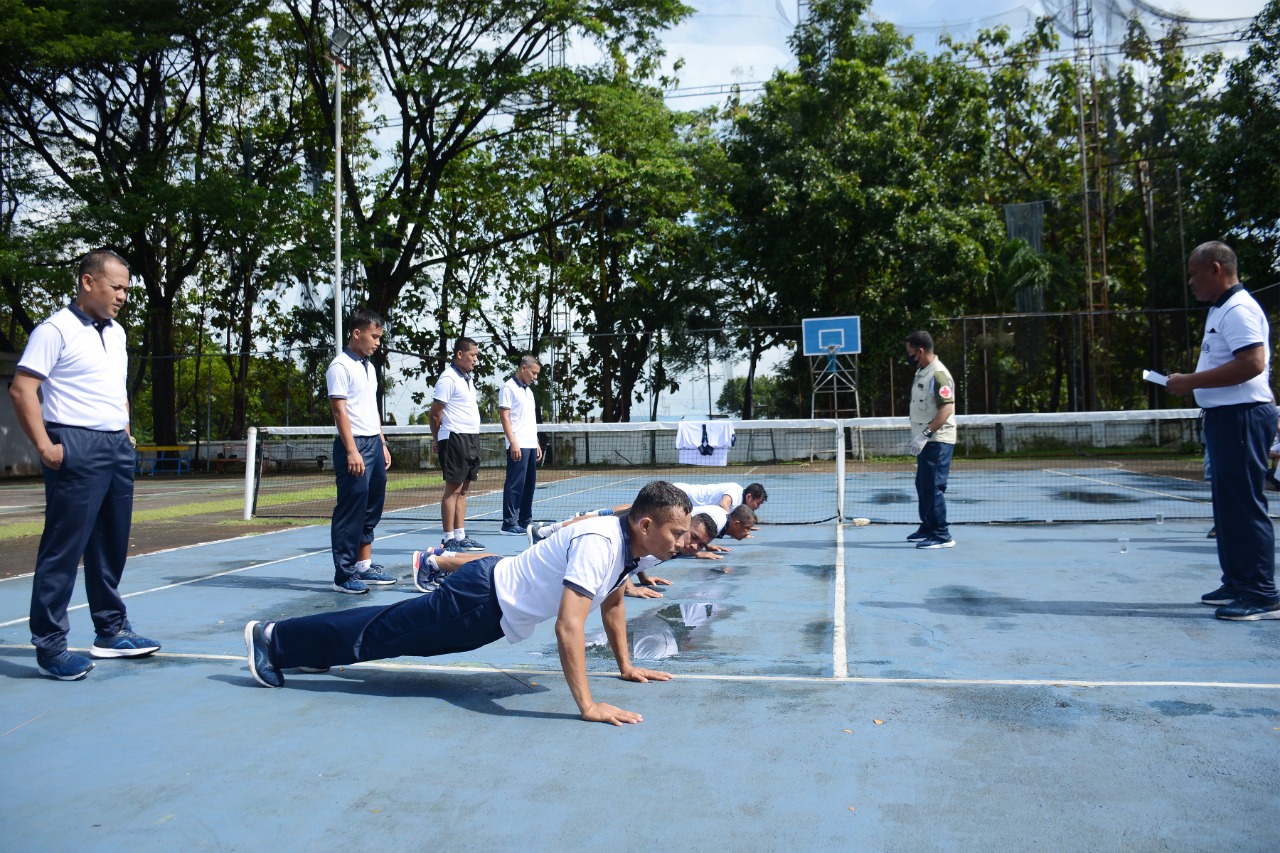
[
  {"x": 426, "y": 577},
  {"x": 512, "y": 531},
  {"x": 376, "y": 575},
  {"x": 532, "y": 531},
  {"x": 1223, "y": 595},
  {"x": 264, "y": 671},
  {"x": 64, "y": 666},
  {"x": 934, "y": 542},
  {"x": 354, "y": 586},
  {"x": 126, "y": 644},
  {"x": 919, "y": 536},
  {"x": 469, "y": 544},
  {"x": 452, "y": 546},
  {"x": 1241, "y": 611}
]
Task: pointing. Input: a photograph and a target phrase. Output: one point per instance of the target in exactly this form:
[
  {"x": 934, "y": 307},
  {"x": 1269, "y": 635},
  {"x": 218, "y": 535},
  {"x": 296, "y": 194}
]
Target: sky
[{"x": 728, "y": 42}]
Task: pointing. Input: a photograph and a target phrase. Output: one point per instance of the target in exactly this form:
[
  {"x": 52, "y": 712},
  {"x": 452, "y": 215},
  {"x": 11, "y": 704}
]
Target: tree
[{"x": 115, "y": 101}]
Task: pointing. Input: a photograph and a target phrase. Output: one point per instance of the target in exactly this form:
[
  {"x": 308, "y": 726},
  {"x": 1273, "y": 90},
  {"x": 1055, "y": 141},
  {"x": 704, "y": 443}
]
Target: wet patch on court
[{"x": 1080, "y": 496}]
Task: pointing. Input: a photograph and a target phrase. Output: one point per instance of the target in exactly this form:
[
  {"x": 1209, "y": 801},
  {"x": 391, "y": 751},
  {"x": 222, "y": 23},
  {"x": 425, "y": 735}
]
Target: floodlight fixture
[{"x": 338, "y": 43}]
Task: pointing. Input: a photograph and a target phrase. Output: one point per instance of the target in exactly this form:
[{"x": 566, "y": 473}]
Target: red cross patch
[{"x": 945, "y": 392}]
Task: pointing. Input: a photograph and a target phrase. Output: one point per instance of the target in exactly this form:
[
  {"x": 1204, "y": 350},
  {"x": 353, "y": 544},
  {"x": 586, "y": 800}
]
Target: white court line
[
  {"x": 12, "y": 622},
  {"x": 839, "y": 653},
  {"x": 470, "y": 669},
  {"x": 1123, "y": 486}
]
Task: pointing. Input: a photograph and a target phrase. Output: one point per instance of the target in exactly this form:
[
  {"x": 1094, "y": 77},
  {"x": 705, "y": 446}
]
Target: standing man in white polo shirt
[
  {"x": 360, "y": 457},
  {"x": 1232, "y": 384},
  {"x": 455, "y": 439},
  {"x": 81, "y": 431},
  {"x": 516, "y": 410}
]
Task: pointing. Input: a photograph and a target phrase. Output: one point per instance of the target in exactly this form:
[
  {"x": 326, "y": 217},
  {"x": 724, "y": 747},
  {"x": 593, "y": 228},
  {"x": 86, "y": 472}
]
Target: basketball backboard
[{"x": 823, "y": 333}]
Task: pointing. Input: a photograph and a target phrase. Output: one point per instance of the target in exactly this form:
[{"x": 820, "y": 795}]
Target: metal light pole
[{"x": 338, "y": 43}]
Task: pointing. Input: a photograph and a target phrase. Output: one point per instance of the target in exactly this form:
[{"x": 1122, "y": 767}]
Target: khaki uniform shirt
[{"x": 931, "y": 389}]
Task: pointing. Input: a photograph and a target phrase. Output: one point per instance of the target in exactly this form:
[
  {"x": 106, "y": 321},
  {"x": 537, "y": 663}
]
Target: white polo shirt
[
  {"x": 84, "y": 368},
  {"x": 457, "y": 390},
  {"x": 1236, "y": 322},
  {"x": 718, "y": 515},
  {"x": 353, "y": 379},
  {"x": 592, "y": 557},
  {"x": 710, "y": 494},
  {"x": 517, "y": 398}
]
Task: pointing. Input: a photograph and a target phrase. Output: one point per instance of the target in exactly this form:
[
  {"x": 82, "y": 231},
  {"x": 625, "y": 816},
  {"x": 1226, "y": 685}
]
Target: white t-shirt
[
  {"x": 353, "y": 379},
  {"x": 1235, "y": 323},
  {"x": 457, "y": 390},
  {"x": 710, "y": 494},
  {"x": 718, "y": 515},
  {"x": 85, "y": 371},
  {"x": 518, "y": 400},
  {"x": 590, "y": 556}
]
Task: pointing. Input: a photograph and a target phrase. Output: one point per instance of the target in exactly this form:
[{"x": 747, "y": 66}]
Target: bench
[{"x": 163, "y": 458}]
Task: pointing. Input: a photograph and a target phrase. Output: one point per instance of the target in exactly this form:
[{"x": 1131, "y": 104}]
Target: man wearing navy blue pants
[
  {"x": 360, "y": 457},
  {"x": 933, "y": 425},
  {"x": 581, "y": 568},
  {"x": 520, "y": 428},
  {"x": 1232, "y": 384},
  {"x": 81, "y": 431}
]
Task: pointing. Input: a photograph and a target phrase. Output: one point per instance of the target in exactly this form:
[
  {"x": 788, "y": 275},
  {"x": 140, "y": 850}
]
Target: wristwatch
[{"x": 928, "y": 433}]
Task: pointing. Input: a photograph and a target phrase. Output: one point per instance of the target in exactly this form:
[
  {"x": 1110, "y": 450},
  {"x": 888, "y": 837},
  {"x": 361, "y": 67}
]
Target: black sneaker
[
  {"x": 1220, "y": 596},
  {"x": 1212, "y": 534},
  {"x": 263, "y": 670},
  {"x": 919, "y": 536},
  {"x": 1241, "y": 611},
  {"x": 934, "y": 542},
  {"x": 64, "y": 666}
]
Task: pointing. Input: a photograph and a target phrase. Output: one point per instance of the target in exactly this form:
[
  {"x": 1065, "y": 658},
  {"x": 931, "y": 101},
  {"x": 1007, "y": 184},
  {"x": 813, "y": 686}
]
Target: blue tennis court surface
[{"x": 836, "y": 689}]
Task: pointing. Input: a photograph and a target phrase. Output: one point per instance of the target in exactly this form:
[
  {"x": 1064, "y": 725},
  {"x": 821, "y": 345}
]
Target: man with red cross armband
[{"x": 933, "y": 431}]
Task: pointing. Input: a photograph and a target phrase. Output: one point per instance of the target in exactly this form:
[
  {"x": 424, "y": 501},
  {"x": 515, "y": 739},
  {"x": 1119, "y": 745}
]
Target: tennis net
[{"x": 1099, "y": 466}]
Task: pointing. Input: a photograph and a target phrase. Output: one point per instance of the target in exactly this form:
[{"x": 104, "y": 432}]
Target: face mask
[{"x": 913, "y": 360}]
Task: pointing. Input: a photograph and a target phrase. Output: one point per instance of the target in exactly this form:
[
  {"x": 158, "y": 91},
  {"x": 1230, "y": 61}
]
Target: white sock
[
  {"x": 364, "y": 565},
  {"x": 460, "y": 533},
  {"x": 544, "y": 532}
]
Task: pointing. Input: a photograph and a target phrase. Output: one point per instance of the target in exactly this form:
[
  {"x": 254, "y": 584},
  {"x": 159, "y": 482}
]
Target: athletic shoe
[
  {"x": 919, "y": 536},
  {"x": 376, "y": 575},
  {"x": 354, "y": 586},
  {"x": 263, "y": 669},
  {"x": 512, "y": 531},
  {"x": 469, "y": 544},
  {"x": 1220, "y": 596},
  {"x": 452, "y": 546},
  {"x": 934, "y": 542},
  {"x": 532, "y": 531},
  {"x": 64, "y": 666},
  {"x": 425, "y": 577},
  {"x": 1239, "y": 611},
  {"x": 126, "y": 644},
  {"x": 1212, "y": 534},
  {"x": 313, "y": 669}
]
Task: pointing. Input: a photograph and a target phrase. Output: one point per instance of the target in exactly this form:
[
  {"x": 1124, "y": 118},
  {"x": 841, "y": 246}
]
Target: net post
[
  {"x": 839, "y": 471},
  {"x": 250, "y": 466}
]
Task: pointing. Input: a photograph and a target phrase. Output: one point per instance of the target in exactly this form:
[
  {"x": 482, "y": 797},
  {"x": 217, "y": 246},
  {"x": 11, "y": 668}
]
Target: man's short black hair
[
  {"x": 464, "y": 344},
  {"x": 921, "y": 340},
  {"x": 755, "y": 490},
  {"x": 744, "y": 515},
  {"x": 658, "y": 500},
  {"x": 95, "y": 263},
  {"x": 363, "y": 318},
  {"x": 707, "y": 523}
]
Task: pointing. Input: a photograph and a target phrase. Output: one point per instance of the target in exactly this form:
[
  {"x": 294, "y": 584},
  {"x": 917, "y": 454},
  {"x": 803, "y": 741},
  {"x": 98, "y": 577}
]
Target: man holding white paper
[{"x": 1232, "y": 384}]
